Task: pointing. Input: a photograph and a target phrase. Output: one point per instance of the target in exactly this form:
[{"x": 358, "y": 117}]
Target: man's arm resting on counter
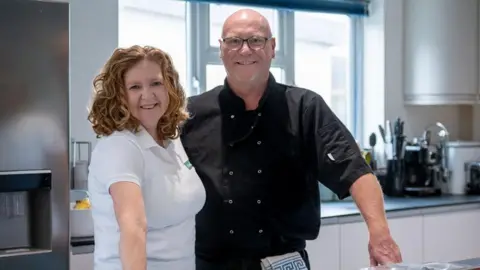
[
  {"x": 131, "y": 218},
  {"x": 368, "y": 195}
]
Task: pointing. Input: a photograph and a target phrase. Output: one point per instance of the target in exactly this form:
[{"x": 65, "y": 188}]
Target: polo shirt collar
[{"x": 145, "y": 140}]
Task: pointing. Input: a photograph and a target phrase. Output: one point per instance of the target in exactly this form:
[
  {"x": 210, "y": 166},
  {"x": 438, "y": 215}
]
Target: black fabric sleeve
[{"x": 338, "y": 161}]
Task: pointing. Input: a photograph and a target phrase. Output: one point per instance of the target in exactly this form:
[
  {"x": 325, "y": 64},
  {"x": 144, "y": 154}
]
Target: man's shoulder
[
  {"x": 300, "y": 97},
  {"x": 205, "y": 101}
]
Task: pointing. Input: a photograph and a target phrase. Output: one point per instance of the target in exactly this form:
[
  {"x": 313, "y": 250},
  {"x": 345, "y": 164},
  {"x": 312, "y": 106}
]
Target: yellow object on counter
[
  {"x": 367, "y": 156},
  {"x": 82, "y": 204}
]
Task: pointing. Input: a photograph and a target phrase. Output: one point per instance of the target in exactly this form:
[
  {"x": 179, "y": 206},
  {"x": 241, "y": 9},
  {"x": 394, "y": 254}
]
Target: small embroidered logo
[{"x": 188, "y": 164}]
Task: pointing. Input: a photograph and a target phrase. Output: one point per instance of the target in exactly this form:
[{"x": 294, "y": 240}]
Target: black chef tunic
[{"x": 261, "y": 169}]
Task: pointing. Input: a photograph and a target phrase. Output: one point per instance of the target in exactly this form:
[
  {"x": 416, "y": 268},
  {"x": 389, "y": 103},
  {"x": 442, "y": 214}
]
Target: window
[
  {"x": 322, "y": 59},
  {"x": 216, "y": 75},
  {"x": 156, "y": 23},
  {"x": 219, "y": 13},
  {"x": 322, "y": 64}
]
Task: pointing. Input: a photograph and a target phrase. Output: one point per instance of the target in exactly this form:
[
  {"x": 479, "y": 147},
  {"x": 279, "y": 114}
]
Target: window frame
[{"x": 200, "y": 54}]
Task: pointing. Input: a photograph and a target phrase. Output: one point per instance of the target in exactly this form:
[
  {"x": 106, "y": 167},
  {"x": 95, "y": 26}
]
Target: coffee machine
[
  {"x": 418, "y": 167},
  {"x": 424, "y": 167}
]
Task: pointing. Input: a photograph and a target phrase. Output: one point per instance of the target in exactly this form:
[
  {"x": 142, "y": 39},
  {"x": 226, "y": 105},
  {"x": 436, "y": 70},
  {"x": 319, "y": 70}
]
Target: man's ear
[
  {"x": 220, "y": 43},
  {"x": 274, "y": 45}
]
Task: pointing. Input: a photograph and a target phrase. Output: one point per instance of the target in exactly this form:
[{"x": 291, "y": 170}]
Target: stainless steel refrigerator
[{"x": 34, "y": 135}]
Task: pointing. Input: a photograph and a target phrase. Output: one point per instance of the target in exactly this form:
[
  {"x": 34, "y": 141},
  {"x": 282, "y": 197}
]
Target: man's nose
[{"x": 245, "y": 49}]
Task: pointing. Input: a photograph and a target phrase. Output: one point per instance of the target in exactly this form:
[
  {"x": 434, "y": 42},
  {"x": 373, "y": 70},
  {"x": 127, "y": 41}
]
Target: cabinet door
[
  {"x": 441, "y": 51},
  {"x": 407, "y": 232},
  {"x": 324, "y": 252},
  {"x": 451, "y": 236},
  {"x": 81, "y": 261},
  {"x": 353, "y": 246}
]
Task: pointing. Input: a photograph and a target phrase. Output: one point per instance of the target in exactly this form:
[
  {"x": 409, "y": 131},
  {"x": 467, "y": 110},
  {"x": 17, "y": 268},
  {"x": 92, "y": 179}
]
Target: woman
[{"x": 144, "y": 191}]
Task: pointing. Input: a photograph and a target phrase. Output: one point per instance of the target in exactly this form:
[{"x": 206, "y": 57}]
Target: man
[{"x": 259, "y": 148}]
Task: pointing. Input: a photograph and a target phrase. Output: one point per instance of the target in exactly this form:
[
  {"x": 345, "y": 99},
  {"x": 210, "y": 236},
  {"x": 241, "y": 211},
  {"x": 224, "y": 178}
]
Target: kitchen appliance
[
  {"x": 426, "y": 163},
  {"x": 80, "y": 164},
  {"x": 459, "y": 153},
  {"x": 472, "y": 180},
  {"x": 34, "y": 132},
  {"x": 423, "y": 171},
  {"x": 416, "y": 167}
]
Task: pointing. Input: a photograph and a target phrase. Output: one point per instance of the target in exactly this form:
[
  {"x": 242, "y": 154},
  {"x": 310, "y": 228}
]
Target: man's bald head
[
  {"x": 247, "y": 17},
  {"x": 247, "y": 49}
]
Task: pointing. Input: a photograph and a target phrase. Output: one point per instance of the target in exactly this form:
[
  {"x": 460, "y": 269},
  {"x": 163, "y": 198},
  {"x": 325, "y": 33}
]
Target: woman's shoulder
[{"x": 118, "y": 141}]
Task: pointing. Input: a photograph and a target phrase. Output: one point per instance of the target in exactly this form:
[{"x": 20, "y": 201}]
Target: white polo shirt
[{"x": 172, "y": 191}]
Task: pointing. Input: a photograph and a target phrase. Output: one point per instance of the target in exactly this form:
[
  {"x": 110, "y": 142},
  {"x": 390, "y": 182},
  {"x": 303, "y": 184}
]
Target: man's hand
[{"x": 383, "y": 250}]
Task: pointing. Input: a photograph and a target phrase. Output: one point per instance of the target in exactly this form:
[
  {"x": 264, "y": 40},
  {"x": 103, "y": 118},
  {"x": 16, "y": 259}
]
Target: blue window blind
[{"x": 351, "y": 7}]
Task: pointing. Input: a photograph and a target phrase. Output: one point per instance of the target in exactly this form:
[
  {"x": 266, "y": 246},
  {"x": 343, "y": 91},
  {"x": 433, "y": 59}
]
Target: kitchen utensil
[{"x": 382, "y": 133}]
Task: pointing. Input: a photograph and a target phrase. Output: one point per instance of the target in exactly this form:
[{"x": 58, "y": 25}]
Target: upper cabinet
[{"x": 441, "y": 52}]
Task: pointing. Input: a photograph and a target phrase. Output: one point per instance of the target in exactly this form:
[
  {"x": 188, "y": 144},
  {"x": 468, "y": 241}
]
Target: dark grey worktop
[
  {"x": 470, "y": 262},
  {"x": 346, "y": 211},
  {"x": 348, "y": 208}
]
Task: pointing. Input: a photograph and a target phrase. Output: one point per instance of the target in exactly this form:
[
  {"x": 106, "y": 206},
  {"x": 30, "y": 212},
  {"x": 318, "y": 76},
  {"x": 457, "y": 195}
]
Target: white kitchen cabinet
[
  {"x": 441, "y": 51},
  {"x": 451, "y": 236},
  {"x": 353, "y": 246},
  {"x": 81, "y": 261},
  {"x": 408, "y": 233},
  {"x": 324, "y": 252}
]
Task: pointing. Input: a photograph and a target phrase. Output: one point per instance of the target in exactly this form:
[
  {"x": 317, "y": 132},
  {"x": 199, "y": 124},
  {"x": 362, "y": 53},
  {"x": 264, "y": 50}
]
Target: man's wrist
[{"x": 378, "y": 228}]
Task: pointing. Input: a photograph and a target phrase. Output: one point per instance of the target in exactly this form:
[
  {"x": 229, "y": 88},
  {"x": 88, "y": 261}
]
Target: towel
[{"x": 289, "y": 261}]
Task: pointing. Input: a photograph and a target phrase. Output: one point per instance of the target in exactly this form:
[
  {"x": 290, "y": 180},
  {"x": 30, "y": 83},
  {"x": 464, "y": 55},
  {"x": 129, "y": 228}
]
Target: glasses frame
[{"x": 266, "y": 39}]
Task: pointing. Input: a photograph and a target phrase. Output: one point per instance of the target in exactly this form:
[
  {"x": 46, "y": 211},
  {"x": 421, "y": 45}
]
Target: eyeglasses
[{"x": 254, "y": 43}]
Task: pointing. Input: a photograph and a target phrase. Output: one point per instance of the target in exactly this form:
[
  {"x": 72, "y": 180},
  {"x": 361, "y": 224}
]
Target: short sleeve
[
  {"x": 117, "y": 159},
  {"x": 338, "y": 160}
]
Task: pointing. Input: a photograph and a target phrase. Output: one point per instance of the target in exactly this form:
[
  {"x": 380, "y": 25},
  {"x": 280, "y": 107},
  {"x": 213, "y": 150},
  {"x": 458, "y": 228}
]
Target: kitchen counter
[
  {"x": 339, "y": 212},
  {"x": 346, "y": 211},
  {"x": 470, "y": 262}
]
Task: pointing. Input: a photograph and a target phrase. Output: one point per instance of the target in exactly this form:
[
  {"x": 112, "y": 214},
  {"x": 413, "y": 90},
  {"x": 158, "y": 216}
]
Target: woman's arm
[
  {"x": 130, "y": 213},
  {"x": 118, "y": 165}
]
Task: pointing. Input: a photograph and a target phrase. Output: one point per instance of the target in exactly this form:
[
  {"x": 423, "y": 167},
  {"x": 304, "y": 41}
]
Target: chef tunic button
[
  {"x": 230, "y": 172},
  {"x": 230, "y": 201},
  {"x": 259, "y": 114},
  {"x": 232, "y": 232},
  {"x": 259, "y": 201},
  {"x": 231, "y": 145},
  {"x": 260, "y": 231},
  {"x": 232, "y": 116},
  {"x": 259, "y": 142},
  {"x": 259, "y": 171}
]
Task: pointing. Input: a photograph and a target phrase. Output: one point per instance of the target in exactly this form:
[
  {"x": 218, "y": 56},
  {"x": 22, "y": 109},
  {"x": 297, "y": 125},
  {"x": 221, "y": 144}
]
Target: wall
[
  {"x": 93, "y": 40},
  {"x": 383, "y": 81},
  {"x": 93, "y": 37}
]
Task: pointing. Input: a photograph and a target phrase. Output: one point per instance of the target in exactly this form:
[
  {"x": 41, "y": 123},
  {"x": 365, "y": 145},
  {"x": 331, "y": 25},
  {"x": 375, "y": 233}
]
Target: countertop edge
[
  {"x": 346, "y": 212},
  {"x": 343, "y": 212}
]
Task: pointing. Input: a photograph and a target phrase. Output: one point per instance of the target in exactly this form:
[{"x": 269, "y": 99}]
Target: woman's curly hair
[{"x": 109, "y": 110}]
